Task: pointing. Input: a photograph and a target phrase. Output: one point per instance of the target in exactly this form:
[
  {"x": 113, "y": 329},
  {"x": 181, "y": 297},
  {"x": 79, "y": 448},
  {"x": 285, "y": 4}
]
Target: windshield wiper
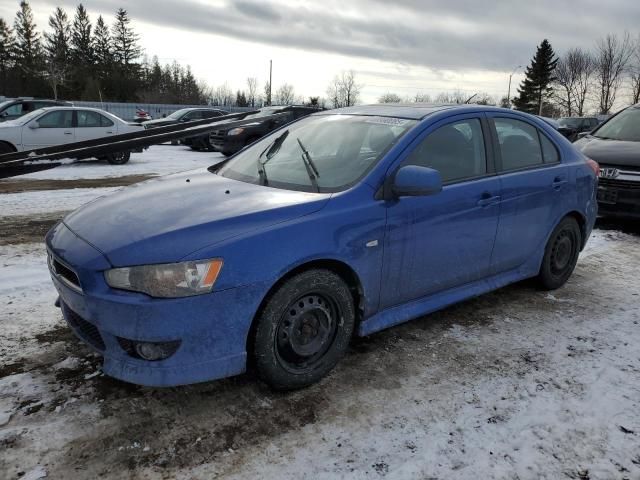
[
  {"x": 271, "y": 151},
  {"x": 312, "y": 171}
]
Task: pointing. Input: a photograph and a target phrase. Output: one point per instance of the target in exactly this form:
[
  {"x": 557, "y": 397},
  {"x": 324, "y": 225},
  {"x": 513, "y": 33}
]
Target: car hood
[
  {"x": 610, "y": 152},
  {"x": 165, "y": 219},
  {"x": 159, "y": 122}
]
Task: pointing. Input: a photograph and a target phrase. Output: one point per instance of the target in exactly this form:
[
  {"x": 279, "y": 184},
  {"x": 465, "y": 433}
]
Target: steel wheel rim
[
  {"x": 306, "y": 331},
  {"x": 562, "y": 252}
]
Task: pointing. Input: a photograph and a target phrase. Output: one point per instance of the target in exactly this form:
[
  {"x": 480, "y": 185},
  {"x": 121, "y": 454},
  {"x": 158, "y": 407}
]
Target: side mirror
[
  {"x": 34, "y": 125},
  {"x": 415, "y": 181}
]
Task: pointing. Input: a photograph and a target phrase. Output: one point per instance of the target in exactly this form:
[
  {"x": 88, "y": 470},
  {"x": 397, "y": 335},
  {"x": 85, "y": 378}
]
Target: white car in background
[{"x": 52, "y": 126}]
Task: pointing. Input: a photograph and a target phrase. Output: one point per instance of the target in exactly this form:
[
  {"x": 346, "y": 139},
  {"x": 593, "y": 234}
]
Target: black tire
[
  {"x": 303, "y": 330},
  {"x": 561, "y": 254},
  {"x": 119, "y": 158}
]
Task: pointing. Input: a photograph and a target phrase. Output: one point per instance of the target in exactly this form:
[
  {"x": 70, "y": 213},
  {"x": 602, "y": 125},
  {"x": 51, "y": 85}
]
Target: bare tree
[
  {"x": 452, "y": 97},
  {"x": 584, "y": 66},
  {"x": 252, "y": 90},
  {"x": 344, "y": 91},
  {"x": 285, "y": 95},
  {"x": 565, "y": 81},
  {"x": 422, "y": 98},
  {"x": 612, "y": 57},
  {"x": 634, "y": 71},
  {"x": 222, "y": 95},
  {"x": 390, "y": 98}
]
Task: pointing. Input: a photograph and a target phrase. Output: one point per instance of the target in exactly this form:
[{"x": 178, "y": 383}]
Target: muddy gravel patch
[
  {"x": 18, "y": 186},
  {"x": 27, "y": 228}
]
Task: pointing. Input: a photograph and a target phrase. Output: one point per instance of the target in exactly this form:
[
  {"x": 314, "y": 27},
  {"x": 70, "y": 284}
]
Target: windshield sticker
[{"x": 392, "y": 122}]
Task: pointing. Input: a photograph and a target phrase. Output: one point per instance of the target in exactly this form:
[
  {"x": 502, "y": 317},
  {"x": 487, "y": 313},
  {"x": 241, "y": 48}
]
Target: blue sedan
[{"x": 343, "y": 223}]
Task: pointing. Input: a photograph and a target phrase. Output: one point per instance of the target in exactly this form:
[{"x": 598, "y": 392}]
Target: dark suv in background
[
  {"x": 12, "y": 109},
  {"x": 229, "y": 141},
  {"x": 615, "y": 145},
  {"x": 187, "y": 115},
  {"x": 571, "y": 127}
]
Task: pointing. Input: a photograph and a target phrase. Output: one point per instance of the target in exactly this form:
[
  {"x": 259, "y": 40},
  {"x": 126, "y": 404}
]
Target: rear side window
[
  {"x": 105, "y": 122},
  {"x": 549, "y": 151},
  {"x": 14, "y": 110},
  {"x": 88, "y": 119},
  {"x": 519, "y": 144},
  {"x": 455, "y": 150},
  {"x": 57, "y": 119}
]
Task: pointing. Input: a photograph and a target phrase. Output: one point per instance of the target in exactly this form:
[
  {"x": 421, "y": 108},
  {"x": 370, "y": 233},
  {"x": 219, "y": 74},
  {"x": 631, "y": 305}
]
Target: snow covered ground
[{"x": 516, "y": 384}]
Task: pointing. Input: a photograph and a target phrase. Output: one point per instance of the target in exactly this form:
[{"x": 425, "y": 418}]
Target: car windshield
[
  {"x": 324, "y": 153},
  {"x": 624, "y": 126},
  {"x": 570, "y": 122},
  {"x": 23, "y": 120},
  {"x": 178, "y": 114}
]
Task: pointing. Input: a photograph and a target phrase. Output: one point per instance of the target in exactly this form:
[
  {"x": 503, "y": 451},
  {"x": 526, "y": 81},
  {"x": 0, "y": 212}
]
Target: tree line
[
  {"x": 79, "y": 60},
  {"x": 581, "y": 79}
]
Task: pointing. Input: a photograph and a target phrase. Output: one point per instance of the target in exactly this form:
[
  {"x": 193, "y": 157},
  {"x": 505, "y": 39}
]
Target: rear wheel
[
  {"x": 119, "y": 158},
  {"x": 561, "y": 254},
  {"x": 304, "y": 330}
]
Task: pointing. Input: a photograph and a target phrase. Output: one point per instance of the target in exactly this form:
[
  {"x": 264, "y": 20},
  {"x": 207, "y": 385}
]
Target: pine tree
[
  {"x": 7, "y": 54},
  {"x": 536, "y": 87},
  {"x": 102, "y": 46},
  {"x": 125, "y": 41},
  {"x": 7, "y": 46},
  {"x": 28, "y": 47},
  {"x": 81, "y": 40},
  {"x": 57, "y": 50}
]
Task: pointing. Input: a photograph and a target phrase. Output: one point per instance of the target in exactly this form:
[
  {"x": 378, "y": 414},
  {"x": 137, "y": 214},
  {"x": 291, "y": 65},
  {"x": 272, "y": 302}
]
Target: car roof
[{"x": 412, "y": 111}]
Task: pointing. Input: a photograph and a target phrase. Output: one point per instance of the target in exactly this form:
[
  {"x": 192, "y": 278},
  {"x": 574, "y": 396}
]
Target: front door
[
  {"x": 437, "y": 242},
  {"x": 53, "y": 128}
]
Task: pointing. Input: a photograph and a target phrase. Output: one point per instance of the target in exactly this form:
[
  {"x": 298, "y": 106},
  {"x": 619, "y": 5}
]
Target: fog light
[{"x": 150, "y": 351}]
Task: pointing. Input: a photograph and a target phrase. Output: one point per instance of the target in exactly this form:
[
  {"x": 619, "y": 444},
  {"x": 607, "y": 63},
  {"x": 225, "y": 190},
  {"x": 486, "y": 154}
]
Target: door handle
[
  {"x": 68, "y": 133},
  {"x": 558, "y": 182},
  {"x": 488, "y": 200},
  {"x": 109, "y": 132}
]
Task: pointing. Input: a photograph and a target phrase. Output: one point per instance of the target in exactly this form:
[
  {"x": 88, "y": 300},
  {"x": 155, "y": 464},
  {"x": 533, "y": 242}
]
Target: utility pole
[
  {"x": 270, "y": 80},
  {"x": 509, "y": 90}
]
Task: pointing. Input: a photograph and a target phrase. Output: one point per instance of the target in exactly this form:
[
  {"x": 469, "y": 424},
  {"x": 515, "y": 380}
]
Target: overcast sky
[{"x": 399, "y": 46}]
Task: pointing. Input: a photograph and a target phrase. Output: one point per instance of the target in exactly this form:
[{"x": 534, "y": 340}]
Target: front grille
[
  {"x": 623, "y": 184},
  {"x": 87, "y": 331}
]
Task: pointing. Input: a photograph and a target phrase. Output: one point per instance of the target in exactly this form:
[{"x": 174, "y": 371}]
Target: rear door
[
  {"x": 437, "y": 242},
  {"x": 90, "y": 125},
  {"x": 53, "y": 128},
  {"x": 533, "y": 184}
]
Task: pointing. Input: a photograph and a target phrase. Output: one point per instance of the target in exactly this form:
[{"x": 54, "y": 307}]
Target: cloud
[{"x": 457, "y": 35}]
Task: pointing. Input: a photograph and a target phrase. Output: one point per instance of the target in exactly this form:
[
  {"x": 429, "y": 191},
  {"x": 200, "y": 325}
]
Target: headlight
[
  {"x": 235, "y": 131},
  {"x": 169, "y": 280}
]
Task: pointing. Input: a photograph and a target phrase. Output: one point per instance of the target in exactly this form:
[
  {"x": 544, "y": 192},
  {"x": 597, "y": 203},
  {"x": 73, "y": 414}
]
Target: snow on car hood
[{"x": 163, "y": 220}]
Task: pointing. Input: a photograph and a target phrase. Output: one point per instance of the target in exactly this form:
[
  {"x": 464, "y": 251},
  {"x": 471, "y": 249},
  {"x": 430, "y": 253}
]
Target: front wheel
[
  {"x": 303, "y": 330},
  {"x": 561, "y": 254},
  {"x": 119, "y": 158}
]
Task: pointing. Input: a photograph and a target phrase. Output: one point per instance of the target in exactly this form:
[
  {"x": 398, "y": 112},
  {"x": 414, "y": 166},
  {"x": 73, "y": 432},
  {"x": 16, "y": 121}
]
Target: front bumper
[
  {"x": 212, "y": 328},
  {"x": 619, "y": 198}
]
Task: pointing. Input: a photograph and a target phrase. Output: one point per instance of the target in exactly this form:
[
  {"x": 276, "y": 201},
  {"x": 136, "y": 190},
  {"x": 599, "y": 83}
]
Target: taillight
[{"x": 593, "y": 165}]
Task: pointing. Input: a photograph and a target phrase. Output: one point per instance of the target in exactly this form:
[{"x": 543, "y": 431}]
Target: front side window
[
  {"x": 519, "y": 144},
  {"x": 13, "y": 110},
  {"x": 455, "y": 150},
  {"x": 324, "y": 153},
  {"x": 624, "y": 126},
  {"x": 57, "y": 119}
]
